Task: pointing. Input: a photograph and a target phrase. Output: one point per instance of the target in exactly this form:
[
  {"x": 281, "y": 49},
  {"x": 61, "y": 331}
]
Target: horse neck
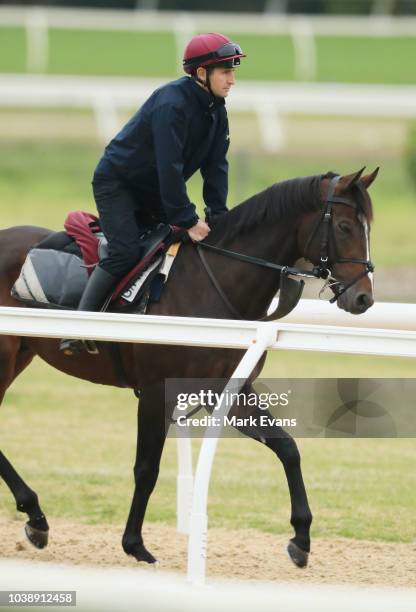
[{"x": 249, "y": 287}]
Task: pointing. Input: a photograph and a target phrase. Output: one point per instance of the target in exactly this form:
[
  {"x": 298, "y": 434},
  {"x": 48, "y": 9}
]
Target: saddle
[{"x": 56, "y": 270}]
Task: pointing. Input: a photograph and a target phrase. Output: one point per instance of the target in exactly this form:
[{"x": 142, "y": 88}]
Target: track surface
[{"x": 244, "y": 554}]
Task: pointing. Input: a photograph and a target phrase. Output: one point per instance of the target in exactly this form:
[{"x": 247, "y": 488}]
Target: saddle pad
[
  {"x": 51, "y": 279},
  {"x": 57, "y": 279}
]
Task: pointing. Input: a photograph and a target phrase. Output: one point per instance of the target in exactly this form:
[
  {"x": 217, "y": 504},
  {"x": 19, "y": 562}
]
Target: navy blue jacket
[{"x": 180, "y": 129}]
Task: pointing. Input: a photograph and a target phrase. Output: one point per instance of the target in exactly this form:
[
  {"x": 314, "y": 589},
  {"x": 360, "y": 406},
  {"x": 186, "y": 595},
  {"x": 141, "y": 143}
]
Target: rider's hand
[{"x": 199, "y": 231}]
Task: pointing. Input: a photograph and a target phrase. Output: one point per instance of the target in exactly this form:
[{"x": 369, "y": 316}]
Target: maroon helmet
[{"x": 211, "y": 49}]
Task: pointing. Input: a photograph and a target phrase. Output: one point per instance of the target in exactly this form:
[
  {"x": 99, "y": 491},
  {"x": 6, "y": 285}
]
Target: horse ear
[
  {"x": 369, "y": 178},
  {"x": 345, "y": 182}
]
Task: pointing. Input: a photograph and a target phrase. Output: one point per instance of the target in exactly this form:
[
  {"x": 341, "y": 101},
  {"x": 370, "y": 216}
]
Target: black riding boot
[{"x": 97, "y": 290}]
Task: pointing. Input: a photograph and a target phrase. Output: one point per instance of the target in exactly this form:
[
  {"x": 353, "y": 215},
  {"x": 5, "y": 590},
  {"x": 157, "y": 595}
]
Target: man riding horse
[{"x": 141, "y": 178}]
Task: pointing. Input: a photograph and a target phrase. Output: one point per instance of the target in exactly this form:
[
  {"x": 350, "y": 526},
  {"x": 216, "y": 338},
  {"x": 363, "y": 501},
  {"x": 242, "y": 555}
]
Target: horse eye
[{"x": 345, "y": 228}]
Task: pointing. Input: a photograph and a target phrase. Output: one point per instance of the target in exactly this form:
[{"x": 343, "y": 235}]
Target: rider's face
[{"x": 221, "y": 79}]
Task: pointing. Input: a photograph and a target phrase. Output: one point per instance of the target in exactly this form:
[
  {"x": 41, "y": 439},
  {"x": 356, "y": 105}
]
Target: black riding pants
[{"x": 120, "y": 217}]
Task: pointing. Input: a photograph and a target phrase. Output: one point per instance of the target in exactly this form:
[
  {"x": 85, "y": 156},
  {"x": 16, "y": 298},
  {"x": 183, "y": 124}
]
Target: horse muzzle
[{"x": 356, "y": 300}]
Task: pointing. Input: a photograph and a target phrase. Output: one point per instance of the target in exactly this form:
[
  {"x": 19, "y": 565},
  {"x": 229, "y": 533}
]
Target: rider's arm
[
  {"x": 214, "y": 170},
  {"x": 169, "y": 131}
]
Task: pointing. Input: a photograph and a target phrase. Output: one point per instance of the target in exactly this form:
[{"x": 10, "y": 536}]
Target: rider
[{"x": 140, "y": 179}]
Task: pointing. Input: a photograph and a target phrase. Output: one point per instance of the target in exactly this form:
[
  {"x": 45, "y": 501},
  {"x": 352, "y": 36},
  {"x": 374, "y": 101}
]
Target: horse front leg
[
  {"x": 301, "y": 517},
  {"x": 37, "y": 528},
  {"x": 151, "y": 437},
  {"x": 285, "y": 448}
]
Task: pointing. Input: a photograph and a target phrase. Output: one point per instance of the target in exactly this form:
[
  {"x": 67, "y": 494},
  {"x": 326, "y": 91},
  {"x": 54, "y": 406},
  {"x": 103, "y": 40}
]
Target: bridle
[{"x": 322, "y": 270}]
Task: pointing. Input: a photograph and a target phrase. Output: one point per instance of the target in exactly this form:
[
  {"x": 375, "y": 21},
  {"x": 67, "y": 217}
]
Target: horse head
[{"x": 335, "y": 239}]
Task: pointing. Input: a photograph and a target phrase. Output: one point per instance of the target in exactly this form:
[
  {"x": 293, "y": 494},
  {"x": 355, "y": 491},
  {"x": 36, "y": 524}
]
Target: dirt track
[{"x": 248, "y": 554}]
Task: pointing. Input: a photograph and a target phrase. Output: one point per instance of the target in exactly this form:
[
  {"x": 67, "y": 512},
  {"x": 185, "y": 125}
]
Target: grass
[
  {"x": 129, "y": 54},
  {"x": 41, "y": 182},
  {"x": 12, "y": 50},
  {"x": 75, "y": 443},
  {"x": 364, "y": 60},
  {"x": 269, "y": 58},
  {"x": 341, "y": 59}
]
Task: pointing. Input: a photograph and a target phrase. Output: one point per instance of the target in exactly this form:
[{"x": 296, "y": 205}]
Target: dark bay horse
[{"x": 287, "y": 221}]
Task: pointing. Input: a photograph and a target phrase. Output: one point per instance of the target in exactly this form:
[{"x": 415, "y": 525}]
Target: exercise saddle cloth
[{"x": 56, "y": 270}]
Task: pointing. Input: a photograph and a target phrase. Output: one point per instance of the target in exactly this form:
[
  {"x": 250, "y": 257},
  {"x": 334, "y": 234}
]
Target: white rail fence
[
  {"x": 269, "y": 101},
  {"x": 128, "y": 589},
  {"x": 302, "y": 29},
  {"x": 386, "y": 329}
]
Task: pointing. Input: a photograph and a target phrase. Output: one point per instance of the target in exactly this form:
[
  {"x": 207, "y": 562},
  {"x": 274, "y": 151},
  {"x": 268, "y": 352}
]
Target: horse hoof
[
  {"x": 297, "y": 555},
  {"x": 38, "y": 538},
  {"x": 140, "y": 553}
]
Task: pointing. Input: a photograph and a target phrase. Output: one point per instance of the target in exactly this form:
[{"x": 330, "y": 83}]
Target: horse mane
[{"x": 285, "y": 200}]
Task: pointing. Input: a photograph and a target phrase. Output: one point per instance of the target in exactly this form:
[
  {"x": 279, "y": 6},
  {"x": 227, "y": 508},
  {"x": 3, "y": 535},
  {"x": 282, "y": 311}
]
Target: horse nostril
[{"x": 364, "y": 300}]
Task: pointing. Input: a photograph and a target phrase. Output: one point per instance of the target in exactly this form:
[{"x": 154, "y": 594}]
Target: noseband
[{"x": 322, "y": 270}]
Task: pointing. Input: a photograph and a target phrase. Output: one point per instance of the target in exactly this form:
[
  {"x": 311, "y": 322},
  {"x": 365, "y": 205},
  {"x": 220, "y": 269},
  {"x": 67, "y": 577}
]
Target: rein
[{"x": 322, "y": 270}]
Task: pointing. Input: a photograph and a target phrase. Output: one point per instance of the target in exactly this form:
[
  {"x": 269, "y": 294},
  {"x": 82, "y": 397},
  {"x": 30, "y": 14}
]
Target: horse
[{"x": 324, "y": 219}]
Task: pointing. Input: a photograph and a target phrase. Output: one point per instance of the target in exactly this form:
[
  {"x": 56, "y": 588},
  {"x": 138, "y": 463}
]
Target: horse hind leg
[
  {"x": 14, "y": 357},
  {"x": 36, "y": 528}
]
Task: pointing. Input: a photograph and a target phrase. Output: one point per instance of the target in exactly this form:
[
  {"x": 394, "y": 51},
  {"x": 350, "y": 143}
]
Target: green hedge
[{"x": 340, "y": 7}]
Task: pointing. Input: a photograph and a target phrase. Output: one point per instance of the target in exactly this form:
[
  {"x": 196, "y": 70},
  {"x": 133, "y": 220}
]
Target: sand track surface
[{"x": 244, "y": 554}]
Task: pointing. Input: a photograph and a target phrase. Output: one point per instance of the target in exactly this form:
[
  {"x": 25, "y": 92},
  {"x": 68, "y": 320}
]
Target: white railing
[
  {"x": 346, "y": 337},
  {"x": 302, "y": 29},
  {"x": 269, "y": 101},
  {"x": 126, "y": 589},
  {"x": 387, "y": 329}
]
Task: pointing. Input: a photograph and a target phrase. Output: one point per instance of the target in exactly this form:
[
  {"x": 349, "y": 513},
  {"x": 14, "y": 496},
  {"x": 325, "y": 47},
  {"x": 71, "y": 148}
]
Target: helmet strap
[
  {"x": 209, "y": 70},
  {"x": 207, "y": 82}
]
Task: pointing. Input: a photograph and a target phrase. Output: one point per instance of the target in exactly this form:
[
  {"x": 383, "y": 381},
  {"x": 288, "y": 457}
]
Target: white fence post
[
  {"x": 276, "y": 6},
  {"x": 199, "y": 516},
  {"x": 185, "y": 484},
  {"x": 37, "y": 40},
  {"x": 106, "y": 117},
  {"x": 183, "y": 29},
  {"x": 305, "y": 50},
  {"x": 383, "y": 7},
  {"x": 270, "y": 124}
]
